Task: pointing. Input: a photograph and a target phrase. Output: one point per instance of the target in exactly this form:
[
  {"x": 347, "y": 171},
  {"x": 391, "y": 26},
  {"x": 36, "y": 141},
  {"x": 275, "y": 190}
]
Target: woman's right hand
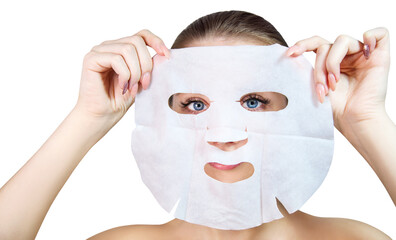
[
  {"x": 26, "y": 198},
  {"x": 113, "y": 72}
]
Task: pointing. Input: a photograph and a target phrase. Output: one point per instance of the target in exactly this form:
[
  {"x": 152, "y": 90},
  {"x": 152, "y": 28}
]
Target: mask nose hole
[
  {"x": 226, "y": 139},
  {"x": 229, "y": 146}
]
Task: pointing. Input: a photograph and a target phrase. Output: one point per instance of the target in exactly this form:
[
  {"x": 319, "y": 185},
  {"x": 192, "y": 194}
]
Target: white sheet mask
[{"x": 290, "y": 149}]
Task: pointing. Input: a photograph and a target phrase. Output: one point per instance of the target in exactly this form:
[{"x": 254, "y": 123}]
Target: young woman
[{"x": 115, "y": 71}]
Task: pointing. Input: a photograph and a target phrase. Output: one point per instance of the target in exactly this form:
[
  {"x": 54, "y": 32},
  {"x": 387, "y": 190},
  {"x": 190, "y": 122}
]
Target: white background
[{"x": 42, "y": 45}]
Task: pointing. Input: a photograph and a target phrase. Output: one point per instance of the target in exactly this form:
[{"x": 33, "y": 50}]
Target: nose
[{"x": 229, "y": 146}]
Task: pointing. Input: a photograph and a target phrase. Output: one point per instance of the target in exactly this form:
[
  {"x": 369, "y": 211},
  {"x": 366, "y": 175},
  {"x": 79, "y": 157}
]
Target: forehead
[
  {"x": 233, "y": 70},
  {"x": 224, "y": 41}
]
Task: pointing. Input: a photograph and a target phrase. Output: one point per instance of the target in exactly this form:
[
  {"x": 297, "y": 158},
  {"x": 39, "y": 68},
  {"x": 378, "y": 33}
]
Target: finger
[
  {"x": 342, "y": 46},
  {"x": 102, "y": 62},
  {"x": 141, "y": 48},
  {"x": 320, "y": 72},
  {"x": 376, "y": 37},
  {"x": 146, "y": 62},
  {"x": 134, "y": 90},
  {"x": 128, "y": 52},
  {"x": 155, "y": 42},
  {"x": 149, "y": 38},
  {"x": 143, "y": 56},
  {"x": 306, "y": 45}
]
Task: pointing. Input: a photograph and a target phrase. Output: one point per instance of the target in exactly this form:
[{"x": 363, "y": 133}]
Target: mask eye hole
[
  {"x": 264, "y": 101},
  {"x": 188, "y": 103}
]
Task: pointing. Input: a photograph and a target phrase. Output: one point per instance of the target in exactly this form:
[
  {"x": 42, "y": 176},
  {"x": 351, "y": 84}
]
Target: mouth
[{"x": 222, "y": 166}]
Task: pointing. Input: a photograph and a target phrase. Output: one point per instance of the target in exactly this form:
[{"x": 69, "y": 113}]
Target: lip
[{"x": 223, "y": 167}]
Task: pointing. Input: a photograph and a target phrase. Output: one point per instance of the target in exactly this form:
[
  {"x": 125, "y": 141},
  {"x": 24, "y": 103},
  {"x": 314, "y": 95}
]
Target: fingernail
[
  {"x": 146, "y": 80},
  {"x": 337, "y": 77},
  {"x": 130, "y": 86},
  {"x": 326, "y": 89},
  {"x": 166, "y": 52},
  {"x": 134, "y": 89},
  {"x": 320, "y": 90},
  {"x": 366, "y": 51},
  {"x": 125, "y": 88},
  {"x": 332, "y": 81},
  {"x": 291, "y": 50}
]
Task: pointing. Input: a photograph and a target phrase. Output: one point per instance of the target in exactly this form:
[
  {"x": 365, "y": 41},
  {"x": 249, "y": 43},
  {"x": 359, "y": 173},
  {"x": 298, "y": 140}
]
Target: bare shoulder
[
  {"x": 147, "y": 232},
  {"x": 343, "y": 228},
  {"x": 357, "y": 230}
]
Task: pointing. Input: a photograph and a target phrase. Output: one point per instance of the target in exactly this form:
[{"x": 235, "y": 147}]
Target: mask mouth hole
[{"x": 229, "y": 173}]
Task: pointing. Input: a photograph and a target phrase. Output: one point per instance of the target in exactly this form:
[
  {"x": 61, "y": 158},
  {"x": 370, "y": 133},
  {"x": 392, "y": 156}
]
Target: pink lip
[{"x": 223, "y": 167}]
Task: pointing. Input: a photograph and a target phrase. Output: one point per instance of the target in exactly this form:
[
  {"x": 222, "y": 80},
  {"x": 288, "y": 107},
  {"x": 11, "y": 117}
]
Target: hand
[
  {"x": 360, "y": 71},
  {"x": 114, "y": 71}
]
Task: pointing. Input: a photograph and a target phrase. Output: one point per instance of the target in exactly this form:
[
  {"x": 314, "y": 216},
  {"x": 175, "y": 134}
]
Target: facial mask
[{"x": 290, "y": 149}]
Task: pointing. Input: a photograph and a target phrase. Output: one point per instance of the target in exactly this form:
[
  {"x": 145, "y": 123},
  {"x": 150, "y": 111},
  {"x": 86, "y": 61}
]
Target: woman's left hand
[{"x": 356, "y": 72}]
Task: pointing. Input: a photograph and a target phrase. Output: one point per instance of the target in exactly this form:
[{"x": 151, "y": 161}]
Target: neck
[
  {"x": 187, "y": 230},
  {"x": 196, "y": 231}
]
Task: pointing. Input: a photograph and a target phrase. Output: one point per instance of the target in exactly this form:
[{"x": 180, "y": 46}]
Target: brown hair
[{"x": 233, "y": 24}]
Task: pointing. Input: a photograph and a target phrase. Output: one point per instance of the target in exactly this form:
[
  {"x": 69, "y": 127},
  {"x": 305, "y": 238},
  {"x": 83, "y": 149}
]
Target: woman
[{"x": 115, "y": 71}]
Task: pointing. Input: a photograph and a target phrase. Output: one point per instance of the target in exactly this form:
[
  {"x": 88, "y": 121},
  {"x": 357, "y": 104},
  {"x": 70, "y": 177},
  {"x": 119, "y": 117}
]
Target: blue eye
[
  {"x": 252, "y": 103},
  {"x": 255, "y": 102},
  {"x": 197, "y": 105},
  {"x": 194, "y": 105}
]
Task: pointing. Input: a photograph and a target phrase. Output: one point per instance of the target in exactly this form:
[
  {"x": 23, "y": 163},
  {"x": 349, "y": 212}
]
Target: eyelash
[
  {"x": 190, "y": 100},
  {"x": 185, "y": 104},
  {"x": 255, "y": 97}
]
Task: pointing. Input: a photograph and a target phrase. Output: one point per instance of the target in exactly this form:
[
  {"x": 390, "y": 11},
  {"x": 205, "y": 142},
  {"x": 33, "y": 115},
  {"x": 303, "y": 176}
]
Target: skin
[
  {"x": 124, "y": 65},
  {"x": 184, "y": 103}
]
